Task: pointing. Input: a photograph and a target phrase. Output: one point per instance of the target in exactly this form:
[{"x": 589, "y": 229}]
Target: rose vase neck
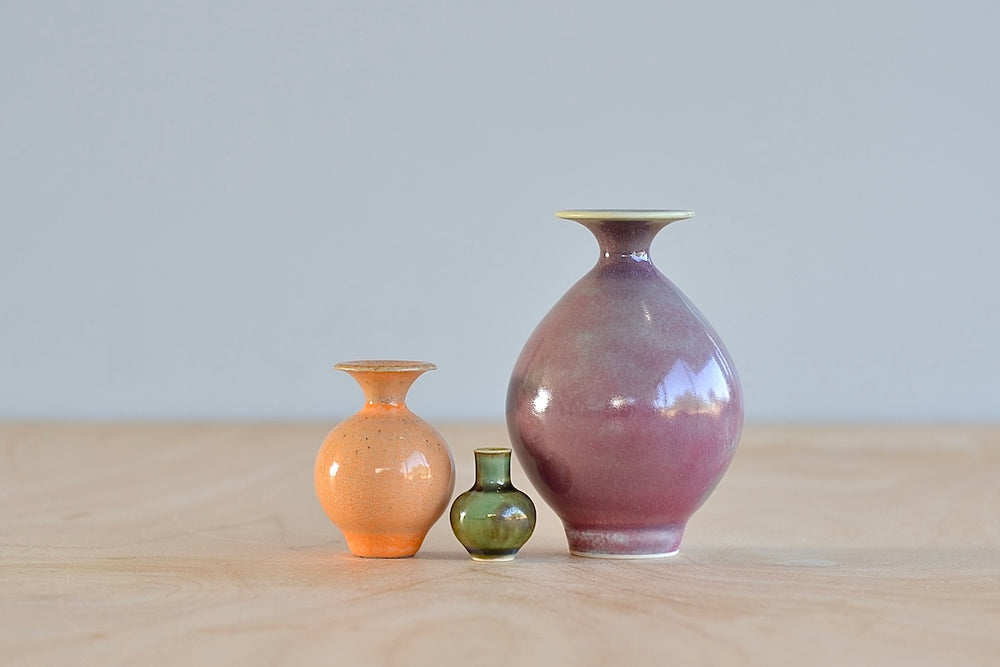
[
  {"x": 385, "y": 383},
  {"x": 624, "y": 235}
]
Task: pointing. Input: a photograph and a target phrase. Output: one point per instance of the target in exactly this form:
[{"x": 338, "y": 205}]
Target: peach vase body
[{"x": 384, "y": 475}]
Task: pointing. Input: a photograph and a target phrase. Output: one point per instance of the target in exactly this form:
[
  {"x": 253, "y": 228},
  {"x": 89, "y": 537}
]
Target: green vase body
[{"x": 493, "y": 519}]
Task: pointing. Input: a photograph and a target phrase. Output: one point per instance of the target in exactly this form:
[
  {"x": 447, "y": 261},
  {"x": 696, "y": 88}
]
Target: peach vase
[{"x": 384, "y": 475}]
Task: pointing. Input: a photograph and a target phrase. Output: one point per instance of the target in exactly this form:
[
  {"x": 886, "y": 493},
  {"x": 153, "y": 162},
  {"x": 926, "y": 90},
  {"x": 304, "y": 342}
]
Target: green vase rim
[{"x": 492, "y": 451}]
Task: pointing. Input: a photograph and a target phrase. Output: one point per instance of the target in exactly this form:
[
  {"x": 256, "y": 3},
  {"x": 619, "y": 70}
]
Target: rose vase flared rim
[
  {"x": 384, "y": 366},
  {"x": 624, "y": 215}
]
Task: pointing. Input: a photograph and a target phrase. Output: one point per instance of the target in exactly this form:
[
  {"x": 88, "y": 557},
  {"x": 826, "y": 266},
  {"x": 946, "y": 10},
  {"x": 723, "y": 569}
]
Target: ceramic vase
[
  {"x": 384, "y": 475},
  {"x": 493, "y": 519},
  {"x": 624, "y": 407}
]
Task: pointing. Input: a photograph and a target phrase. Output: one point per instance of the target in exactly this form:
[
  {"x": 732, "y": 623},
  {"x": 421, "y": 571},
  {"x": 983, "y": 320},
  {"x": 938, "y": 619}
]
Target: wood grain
[{"x": 166, "y": 544}]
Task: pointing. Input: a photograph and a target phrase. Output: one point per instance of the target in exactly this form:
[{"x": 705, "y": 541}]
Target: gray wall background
[{"x": 205, "y": 205}]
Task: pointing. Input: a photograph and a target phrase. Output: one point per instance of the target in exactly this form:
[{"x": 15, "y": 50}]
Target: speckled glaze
[
  {"x": 624, "y": 407},
  {"x": 384, "y": 475},
  {"x": 493, "y": 519}
]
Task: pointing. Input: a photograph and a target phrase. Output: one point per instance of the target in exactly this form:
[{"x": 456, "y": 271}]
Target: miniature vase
[
  {"x": 624, "y": 407},
  {"x": 384, "y": 475},
  {"x": 493, "y": 519}
]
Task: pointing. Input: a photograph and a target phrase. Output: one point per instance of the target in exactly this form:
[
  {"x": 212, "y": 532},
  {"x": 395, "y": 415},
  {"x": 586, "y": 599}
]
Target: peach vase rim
[{"x": 384, "y": 366}]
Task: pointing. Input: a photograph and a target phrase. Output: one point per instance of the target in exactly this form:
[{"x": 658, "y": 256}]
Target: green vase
[{"x": 493, "y": 520}]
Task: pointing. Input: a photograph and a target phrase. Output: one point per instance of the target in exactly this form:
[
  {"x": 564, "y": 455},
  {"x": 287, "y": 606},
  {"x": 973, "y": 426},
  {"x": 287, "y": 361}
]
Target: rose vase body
[
  {"x": 624, "y": 406},
  {"x": 384, "y": 475}
]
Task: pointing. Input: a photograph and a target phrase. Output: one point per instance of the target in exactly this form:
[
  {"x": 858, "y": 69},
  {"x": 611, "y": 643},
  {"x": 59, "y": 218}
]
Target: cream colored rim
[
  {"x": 636, "y": 215},
  {"x": 384, "y": 366},
  {"x": 493, "y": 451}
]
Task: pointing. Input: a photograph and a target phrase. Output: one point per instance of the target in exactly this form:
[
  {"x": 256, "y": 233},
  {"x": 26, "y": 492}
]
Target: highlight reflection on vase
[{"x": 384, "y": 475}]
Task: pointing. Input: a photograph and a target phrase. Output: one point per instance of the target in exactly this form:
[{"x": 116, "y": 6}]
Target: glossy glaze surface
[
  {"x": 493, "y": 519},
  {"x": 624, "y": 406},
  {"x": 384, "y": 475}
]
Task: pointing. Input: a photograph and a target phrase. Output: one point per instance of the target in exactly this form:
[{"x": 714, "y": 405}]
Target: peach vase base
[{"x": 383, "y": 545}]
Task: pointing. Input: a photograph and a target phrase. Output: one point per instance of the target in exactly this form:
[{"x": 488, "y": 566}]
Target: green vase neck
[{"x": 492, "y": 469}]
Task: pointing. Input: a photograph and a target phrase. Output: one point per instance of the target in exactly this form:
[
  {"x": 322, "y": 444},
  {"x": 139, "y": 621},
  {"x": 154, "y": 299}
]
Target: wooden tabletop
[{"x": 205, "y": 544}]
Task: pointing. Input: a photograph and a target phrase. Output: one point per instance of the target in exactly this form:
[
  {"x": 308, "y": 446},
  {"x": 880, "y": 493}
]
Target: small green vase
[{"x": 493, "y": 520}]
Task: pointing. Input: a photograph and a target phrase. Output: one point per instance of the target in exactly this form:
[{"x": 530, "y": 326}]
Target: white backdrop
[{"x": 205, "y": 205}]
